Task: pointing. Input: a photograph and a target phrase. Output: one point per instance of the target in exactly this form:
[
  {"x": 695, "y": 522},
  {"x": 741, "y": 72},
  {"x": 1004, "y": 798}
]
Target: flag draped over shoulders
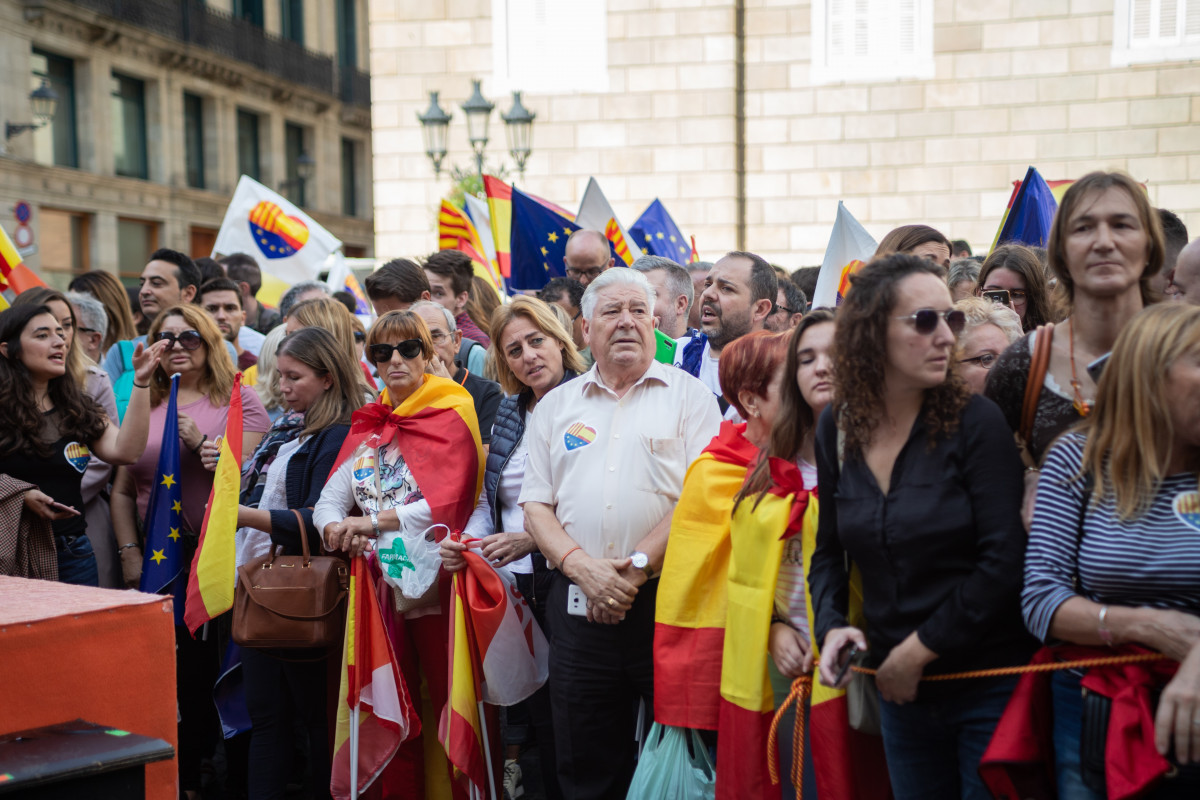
[
  {"x": 437, "y": 431},
  {"x": 689, "y": 624}
]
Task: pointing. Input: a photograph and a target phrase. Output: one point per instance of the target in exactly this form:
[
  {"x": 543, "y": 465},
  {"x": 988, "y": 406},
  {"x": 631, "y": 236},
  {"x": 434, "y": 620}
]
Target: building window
[
  {"x": 129, "y": 126},
  {"x": 193, "y": 139},
  {"x": 201, "y": 241},
  {"x": 349, "y": 177},
  {"x": 291, "y": 20},
  {"x": 543, "y": 46},
  {"x": 136, "y": 240},
  {"x": 247, "y": 144},
  {"x": 64, "y": 244},
  {"x": 347, "y": 34},
  {"x": 858, "y": 41},
  {"x": 56, "y": 143},
  {"x": 295, "y": 144},
  {"x": 249, "y": 10},
  {"x": 1147, "y": 31}
]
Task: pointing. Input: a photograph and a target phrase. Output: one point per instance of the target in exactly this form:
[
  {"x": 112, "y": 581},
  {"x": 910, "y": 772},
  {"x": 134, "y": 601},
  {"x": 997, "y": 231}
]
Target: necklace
[{"x": 1082, "y": 407}]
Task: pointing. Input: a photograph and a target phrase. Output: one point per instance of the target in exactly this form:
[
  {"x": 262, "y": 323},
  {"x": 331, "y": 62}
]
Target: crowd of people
[{"x": 709, "y": 493}]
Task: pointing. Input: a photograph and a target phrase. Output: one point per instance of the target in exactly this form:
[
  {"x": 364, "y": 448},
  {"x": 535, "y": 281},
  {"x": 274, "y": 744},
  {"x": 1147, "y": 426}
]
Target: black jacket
[{"x": 308, "y": 470}]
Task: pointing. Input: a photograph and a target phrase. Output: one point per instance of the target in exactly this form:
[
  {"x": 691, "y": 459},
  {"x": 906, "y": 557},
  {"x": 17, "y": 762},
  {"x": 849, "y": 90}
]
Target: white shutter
[
  {"x": 1191, "y": 16},
  {"x": 871, "y": 40},
  {"x": 1153, "y": 31},
  {"x": 1139, "y": 12},
  {"x": 550, "y": 46}
]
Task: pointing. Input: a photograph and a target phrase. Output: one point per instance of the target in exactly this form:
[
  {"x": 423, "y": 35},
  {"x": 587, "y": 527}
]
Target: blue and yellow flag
[
  {"x": 657, "y": 234},
  {"x": 539, "y": 242},
  {"x": 163, "y": 569}
]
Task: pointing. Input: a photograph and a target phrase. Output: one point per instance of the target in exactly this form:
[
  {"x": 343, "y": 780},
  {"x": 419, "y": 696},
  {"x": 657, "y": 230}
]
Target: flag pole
[
  {"x": 354, "y": 753},
  {"x": 487, "y": 752}
]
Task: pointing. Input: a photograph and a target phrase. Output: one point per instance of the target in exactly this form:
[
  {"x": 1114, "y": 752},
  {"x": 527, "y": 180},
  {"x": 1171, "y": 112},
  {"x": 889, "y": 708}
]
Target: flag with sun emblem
[
  {"x": 286, "y": 242},
  {"x": 657, "y": 234},
  {"x": 163, "y": 567}
]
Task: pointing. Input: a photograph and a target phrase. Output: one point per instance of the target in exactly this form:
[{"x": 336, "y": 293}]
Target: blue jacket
[
  {"x": 507, "y": 432},
  {"x": 308, "y": 470}
]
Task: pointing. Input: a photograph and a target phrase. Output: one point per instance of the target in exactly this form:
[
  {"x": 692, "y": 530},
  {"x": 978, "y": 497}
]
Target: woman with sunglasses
[
  {"x": 1017, "y": 270},
  {"x": 921, "y": 489},
  {"x": 49, "y": 428},
  {"x": 412, "y": 465},
  {"x": 192, "y": 345},
  {"x": 989, "y": 330}
]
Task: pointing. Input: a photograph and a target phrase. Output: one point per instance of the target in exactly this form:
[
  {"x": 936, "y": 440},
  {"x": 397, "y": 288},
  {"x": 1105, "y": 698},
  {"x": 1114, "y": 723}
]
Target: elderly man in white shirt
[{"x": 607, "y": 456}]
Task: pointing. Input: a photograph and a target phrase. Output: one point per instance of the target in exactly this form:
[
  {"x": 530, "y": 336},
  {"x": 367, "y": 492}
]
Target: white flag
[
  {"x": 848, "y": 241},
  {"x": 286, "y": 242},
  {"x": 596, "y": 214}
]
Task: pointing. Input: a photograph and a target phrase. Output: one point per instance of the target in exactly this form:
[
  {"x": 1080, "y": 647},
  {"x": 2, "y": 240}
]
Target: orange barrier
[{"x": 107, "y": 656}]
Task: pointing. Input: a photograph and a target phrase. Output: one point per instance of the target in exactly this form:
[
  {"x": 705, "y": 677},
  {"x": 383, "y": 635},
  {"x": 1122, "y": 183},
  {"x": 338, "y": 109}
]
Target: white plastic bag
[{"x": 410, "y": 561}]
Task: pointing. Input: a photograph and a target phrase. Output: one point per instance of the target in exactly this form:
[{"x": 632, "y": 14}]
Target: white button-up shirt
[{"x": 612, "y": 467}]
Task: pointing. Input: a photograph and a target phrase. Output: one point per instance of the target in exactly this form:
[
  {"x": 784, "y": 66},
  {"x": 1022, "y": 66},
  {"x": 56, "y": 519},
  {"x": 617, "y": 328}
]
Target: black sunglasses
[
  {"x": 926, "y": 320},
  {"x": 188, "y": 340},
  {"x": 409, "y": 348}
]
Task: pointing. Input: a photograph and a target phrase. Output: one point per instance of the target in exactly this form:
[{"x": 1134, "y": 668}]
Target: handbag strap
[
  {"x": 1039, "y": 364},
  {"x": 303, "y": 537}
]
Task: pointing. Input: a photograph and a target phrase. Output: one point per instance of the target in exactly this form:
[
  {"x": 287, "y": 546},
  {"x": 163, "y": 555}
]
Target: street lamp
[
  {"x": 519, "y": 127},
  {"x": 479, "y": 113},
  {"x": 434, "y": 124},
  {"x": 44, "y": 102}
]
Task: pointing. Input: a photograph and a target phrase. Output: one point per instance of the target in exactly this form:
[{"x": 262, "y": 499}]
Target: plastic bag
[
  {"x": 410, "y": 561},
  {"x": 674, "y": 764}
]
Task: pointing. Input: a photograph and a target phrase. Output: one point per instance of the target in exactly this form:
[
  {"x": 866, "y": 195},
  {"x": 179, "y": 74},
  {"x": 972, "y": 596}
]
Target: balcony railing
[{"x": 194, "y": 22}]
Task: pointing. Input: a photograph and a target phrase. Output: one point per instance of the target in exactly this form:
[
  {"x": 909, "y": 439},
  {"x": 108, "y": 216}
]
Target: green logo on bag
[{"x": 395, "y": 558}]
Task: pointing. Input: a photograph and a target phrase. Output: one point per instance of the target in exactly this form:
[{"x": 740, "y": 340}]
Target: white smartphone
[{"x": 576, "y": 601}]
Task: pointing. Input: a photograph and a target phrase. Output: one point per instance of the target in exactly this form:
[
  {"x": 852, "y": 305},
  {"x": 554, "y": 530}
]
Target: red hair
[{"x": 748, "y": 364}]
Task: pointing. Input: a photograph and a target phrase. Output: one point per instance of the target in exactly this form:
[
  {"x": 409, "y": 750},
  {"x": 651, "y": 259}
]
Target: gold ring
[{"x": 611, "y": 602}]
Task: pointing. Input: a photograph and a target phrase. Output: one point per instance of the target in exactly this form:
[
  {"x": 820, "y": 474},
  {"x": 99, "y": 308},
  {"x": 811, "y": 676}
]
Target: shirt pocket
[{"x": 661, "y": 466}]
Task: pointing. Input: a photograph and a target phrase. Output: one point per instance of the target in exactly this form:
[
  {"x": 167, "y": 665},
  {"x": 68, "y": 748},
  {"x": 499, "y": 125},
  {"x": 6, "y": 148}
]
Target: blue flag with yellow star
[
  {"x": 657, "y": 234},
  {"x": 163, "y": 568},
  {"x": 538, "y": 242}
]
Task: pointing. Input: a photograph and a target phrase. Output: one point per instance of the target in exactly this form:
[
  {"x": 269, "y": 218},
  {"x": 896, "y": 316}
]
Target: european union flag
[
  {"x": 539, "y": 242},
  {"x": 1030, "y": 214},
  {"x": 163, "y": 567},
  {"x": 657, "y": 234}
]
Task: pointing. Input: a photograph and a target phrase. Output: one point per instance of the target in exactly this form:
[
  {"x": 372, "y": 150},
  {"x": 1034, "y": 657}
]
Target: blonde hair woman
[
  {"x": 327, "y": 313},
  {"x": 990, "y": 329},
  {"x": 1112, "y": 556}
]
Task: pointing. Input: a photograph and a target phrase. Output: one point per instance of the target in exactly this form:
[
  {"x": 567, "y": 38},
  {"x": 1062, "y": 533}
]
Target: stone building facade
[
  {"x": 750, "y": 119},
  {"x": 162, "y": 105}
]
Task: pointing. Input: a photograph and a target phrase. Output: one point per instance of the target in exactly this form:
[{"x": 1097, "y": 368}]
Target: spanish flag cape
[
  {"x": 689, "y": 620},
  {"x": 848, "y": 764}
]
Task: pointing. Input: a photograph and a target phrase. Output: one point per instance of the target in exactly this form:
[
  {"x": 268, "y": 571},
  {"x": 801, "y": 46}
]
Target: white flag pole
[
  {"x": 354, "y": 754},
  {"x": 487, "y": 751}
]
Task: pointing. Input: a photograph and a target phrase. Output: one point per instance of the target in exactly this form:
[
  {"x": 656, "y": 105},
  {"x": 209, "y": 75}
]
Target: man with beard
[{"x": 739, "y": 293}]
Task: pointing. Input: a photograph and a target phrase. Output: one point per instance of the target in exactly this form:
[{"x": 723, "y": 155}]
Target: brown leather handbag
[{"x": 290, "y": 601}]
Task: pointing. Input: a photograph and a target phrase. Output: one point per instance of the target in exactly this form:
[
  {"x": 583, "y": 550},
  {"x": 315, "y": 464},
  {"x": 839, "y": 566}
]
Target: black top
[
  {"x": 307, "y": 471},
  {"x": 1006, "y": 386},
  {"x": 60, "y": 474},
  {"x": 942, "y": 553},
  {"x": 486, "y": 395}
]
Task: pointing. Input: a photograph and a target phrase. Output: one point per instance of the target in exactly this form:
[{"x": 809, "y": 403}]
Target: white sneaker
[{"x": 512, "y": 780}]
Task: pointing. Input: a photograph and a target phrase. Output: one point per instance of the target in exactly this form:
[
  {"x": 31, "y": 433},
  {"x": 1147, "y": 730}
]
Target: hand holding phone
[
  {"x": 1000, "y": 296},
  {"x": 850, "y": 653}
]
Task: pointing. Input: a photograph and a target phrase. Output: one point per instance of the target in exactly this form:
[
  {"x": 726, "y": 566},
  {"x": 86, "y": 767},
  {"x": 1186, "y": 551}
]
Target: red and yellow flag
[
  {"x": 457, "y": 232},
  {"x": 372, "y": 693},
  {"x": 214, "y": 568},
  {"x": 499, "y": 196},
  {"x": 689, "y": 617},
  {"x": 613, "y": 232},
  {"x": 460, "y": 730},
  {"x": 14, "y": 274}
]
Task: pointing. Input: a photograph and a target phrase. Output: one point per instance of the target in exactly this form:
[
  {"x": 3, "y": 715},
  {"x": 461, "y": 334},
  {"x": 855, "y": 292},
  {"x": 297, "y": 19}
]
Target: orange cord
[{"x": 1084, "y": 663}]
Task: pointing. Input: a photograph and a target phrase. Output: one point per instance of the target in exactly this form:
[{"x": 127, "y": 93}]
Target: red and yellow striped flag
[
  {"x": 460, "y": 730},
  {"x": 457, "y": 232},
  {"x": 499, "y": 197},
  {"x": 214, "y": 569},
  {"x": 14, "y": 274},
  {"x": 613, "y": 231}
]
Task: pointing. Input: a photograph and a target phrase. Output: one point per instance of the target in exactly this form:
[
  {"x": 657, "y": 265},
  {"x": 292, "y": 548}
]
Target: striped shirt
[
  {"x": 789, "y": 587},
  {"x": 1151, "y": 560}
]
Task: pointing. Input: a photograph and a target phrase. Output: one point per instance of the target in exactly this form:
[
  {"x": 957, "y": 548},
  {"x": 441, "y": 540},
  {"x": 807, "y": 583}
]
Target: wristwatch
[
  {"x": 375, "y": 523},
  {"x": 642, "y": 562}
]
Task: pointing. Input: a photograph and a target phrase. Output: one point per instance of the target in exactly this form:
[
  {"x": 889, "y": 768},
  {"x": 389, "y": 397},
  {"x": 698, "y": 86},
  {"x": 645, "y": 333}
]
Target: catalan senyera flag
[
  {"x": 1030, "y": 211},
  {"x": 689, "y": 617},
  {"x": 372, "y": 694},
  {"x": 457, "y": 232},
  {"x": 14, "y": 275},
  {"x": 214, "y": 568},
  {"x": 850, "y": 246}
]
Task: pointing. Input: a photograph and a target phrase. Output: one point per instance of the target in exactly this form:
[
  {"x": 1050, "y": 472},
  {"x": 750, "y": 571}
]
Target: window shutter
[
  {"x": 1191, "y": 15},
  {"x": 553, "y": 46},
  {"x": 1139, "y": 13}
]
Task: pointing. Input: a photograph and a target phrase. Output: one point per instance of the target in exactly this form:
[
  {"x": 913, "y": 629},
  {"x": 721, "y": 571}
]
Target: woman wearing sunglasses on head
[
  {"x": 921, "y": 488},
  {"x": 48, "y": 430},
  {"x": 409, "y": 465},
  {"x": 192, "y": 346},
  {"x": 989, "y": 330}
]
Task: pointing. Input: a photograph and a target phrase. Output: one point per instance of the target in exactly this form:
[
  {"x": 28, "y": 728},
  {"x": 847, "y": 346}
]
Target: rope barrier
[
  {"x": 800, "y": 692},
  {"x": 1083, "y": 663}
]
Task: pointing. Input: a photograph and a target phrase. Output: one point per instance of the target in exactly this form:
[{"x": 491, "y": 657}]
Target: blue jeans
[
  {"x": 76, "y": 561},
  {"x": 934, "y": 745}
]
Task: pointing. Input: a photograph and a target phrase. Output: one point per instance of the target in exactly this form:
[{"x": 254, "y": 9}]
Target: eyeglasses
[
  {"x": 984, "y": 360},
  {"x": 591, "y": 273},
  {"x": 359, "y": 337},
  {"x": 188, "y": 340},
  {"x": 776, "y": 308},
  {"x": 926, "y": 320},
  {"x": 409, "y": 348}
]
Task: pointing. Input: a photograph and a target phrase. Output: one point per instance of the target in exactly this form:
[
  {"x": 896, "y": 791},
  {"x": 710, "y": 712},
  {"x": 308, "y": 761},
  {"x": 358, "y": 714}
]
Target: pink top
[{"x": 195, "y": 480}]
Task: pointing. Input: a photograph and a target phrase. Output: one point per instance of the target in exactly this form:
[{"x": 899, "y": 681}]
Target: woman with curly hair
[
  {"x": 922, "y": 487},
  {"x": 1017, "y": 270},
  {"x": 48, "y": 430}
]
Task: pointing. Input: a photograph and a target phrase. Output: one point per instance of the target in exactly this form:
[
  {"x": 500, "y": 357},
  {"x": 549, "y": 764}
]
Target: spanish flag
[
  {"x": 214, "y": 569},
  {"x": 461, "y": 729},
  {"x": 14, "y": 275},
  {"x": 499, "y": 195},
  {"x": 689, "y": 619}
]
